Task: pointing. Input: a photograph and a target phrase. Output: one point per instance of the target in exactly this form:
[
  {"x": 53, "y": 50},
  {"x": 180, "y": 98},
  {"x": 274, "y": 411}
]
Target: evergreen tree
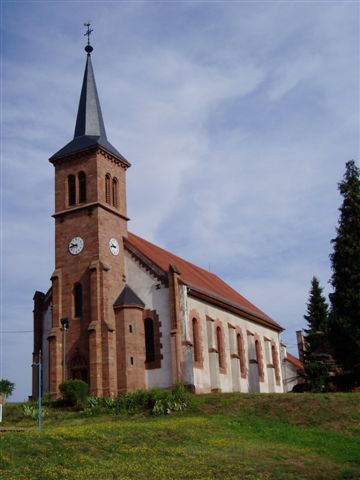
[
  {"x": 317, "y": 318},
  {"x": 345, "y": 299},
  {"x": 317, "y": 360}
]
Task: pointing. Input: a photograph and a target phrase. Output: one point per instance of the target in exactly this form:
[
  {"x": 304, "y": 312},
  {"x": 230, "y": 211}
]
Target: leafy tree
[
  {"x": 6, "y": 388},
  {"x": 345, "y": 259},
  {"x": 317, "y": 360}
]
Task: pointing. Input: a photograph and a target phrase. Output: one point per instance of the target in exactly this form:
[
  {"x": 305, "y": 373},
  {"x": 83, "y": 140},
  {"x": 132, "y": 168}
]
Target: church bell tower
[{"x": 90, "y": 224}]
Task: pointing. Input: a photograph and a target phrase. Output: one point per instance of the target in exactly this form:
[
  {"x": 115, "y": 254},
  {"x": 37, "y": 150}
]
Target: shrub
[
  {"x": 301, "y": 388},
  {"x": 175, "y": 400},
  {"x": 74, "y": 393},
  {"x": 156, "y": 401},
  {"x": 31, "y": 411}
]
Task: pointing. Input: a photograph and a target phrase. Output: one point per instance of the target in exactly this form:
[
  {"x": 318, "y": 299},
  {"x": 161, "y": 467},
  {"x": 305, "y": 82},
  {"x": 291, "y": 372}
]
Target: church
[{"x": 124, "y": 314}]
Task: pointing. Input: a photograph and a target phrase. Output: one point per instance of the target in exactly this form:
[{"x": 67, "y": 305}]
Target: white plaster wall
[
  {"x": 188, "y": 370},
  {"x": 202, "y": 377},
  {"x": 46, "y": 325},
  {"x": 144, "y": 285},
  {"x": 291, "y": 376}
]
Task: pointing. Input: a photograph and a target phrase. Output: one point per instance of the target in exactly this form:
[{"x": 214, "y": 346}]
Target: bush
[
  {"x": 301, "y": 388},
  {"x": 316, "y": 375},
  {"x": 175, "y": 400},
  {"x": 31, "y": 411},
  {"x": 156, "y": 401},
  {"x": 74, "y": 393}
]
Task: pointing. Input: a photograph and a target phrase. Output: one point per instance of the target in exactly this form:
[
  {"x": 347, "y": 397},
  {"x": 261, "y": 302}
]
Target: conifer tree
[
  {"x": 316, "y": 356},
  {"x": 345, "y": 299},
  {"x": 317, "y": 317}
]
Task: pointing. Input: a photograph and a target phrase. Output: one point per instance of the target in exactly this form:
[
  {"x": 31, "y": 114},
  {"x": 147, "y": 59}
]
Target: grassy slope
[{"x": 224, "y": 436}]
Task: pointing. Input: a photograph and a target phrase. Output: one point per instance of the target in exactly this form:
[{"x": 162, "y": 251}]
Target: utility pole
[
  {"x": 38, "y": 364},
  {"x": 65, "y": 325}
]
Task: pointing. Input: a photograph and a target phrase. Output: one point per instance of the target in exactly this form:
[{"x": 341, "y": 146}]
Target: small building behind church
[{"x": 125, "y": 314}]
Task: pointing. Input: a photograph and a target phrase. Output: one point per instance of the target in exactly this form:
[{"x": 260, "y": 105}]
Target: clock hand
[{"x": 73, "y": 245}]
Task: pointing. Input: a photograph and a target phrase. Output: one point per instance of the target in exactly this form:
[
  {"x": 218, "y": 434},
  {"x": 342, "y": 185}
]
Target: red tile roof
[
  {"x": 295, "y": 361},
  {"x": 199, "y": 279}
]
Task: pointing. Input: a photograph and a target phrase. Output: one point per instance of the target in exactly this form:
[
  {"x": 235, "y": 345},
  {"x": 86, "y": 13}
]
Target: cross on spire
[
  {"x": 88, "y": 31},
  {"x": 88, "y": 48}
]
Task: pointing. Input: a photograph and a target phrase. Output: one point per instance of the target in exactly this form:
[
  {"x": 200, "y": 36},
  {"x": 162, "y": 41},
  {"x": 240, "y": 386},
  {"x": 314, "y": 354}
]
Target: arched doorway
[{"x": 79, "y": 367}]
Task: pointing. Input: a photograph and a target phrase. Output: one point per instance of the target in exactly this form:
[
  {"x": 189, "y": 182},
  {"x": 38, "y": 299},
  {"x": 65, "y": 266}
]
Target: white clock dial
[
  {"x": 76, "y": 245},
  {"x": 114, "y": 246}
]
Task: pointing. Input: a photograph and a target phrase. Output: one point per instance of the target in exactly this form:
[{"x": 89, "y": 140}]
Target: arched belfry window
[
  {"x": 115, "y": 195},
  {"x": 108, "y": 188},
  {"x": 71, "y": 190},
  {"x": 82, "y": 187},
  {"x": 149, "y": 340},
  {"x": 78, "y": 300}
]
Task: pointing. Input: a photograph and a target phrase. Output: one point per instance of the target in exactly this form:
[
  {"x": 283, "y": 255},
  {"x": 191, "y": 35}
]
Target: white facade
[
  {"x": 156, "y": 297},
  {"x": 209, "y": 377}
]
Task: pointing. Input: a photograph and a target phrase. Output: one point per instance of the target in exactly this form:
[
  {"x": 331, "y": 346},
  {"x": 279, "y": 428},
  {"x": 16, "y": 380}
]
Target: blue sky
[{"x": 237, "y": 117}]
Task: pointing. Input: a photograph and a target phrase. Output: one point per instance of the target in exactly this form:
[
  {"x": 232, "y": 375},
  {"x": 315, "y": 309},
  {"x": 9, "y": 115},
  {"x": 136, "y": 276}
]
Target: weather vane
[{"x": 88, "y": 47}]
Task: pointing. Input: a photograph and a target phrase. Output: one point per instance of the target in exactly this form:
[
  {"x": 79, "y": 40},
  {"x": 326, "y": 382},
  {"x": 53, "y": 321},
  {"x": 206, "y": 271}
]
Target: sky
[{"x": 237, "y": 116}]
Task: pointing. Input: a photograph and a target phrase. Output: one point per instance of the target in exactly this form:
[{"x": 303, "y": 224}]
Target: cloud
[{"x": 287, "y": 76}]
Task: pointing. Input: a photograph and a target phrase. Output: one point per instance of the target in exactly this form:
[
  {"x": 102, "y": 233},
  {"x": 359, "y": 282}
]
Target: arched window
[
  {"x": 149, "y": 340},
  {"x": 259, "y": 360},
  {"x": 107, "y": 188},
  {"x": 196, "y": 344},
  {"x": 82, "y": 187},
  {"x": 79, "y": 367},
  {"x": 241, "y": 353},
  {"x": 71, "y": 190},
  {"x": 78, "y": 299},
  {"x": 220, "y": 347},
  {"x": 115, "y": 195},
  {"x": 275, "y": 359}
]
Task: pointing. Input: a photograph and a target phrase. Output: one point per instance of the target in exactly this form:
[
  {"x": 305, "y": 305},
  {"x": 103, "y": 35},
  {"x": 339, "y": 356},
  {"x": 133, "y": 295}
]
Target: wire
[{"x": 16, "y": 331}]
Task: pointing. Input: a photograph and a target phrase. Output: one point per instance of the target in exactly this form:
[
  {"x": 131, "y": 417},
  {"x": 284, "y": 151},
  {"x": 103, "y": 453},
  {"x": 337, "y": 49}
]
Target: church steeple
[
  {"x": 89, "y": 127},
  {"x": 89, "y": 119}
]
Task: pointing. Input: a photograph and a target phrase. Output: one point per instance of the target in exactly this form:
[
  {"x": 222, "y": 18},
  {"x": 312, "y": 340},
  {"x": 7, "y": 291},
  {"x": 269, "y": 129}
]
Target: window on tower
[
  {"x": 82, "y": 187},
  {"x": 78, "y": 299},
  {"x": 107, "y": 188},
  {"x": 71, "y": 190},
  {"x": 115, "y": 199}
]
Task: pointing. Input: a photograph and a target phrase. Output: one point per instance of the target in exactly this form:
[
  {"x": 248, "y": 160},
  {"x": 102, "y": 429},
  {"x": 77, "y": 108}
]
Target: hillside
[{"x": 222, "y": 436}]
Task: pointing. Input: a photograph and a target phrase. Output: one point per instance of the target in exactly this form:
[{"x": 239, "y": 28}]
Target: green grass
[{"x": 222, "y": 436}]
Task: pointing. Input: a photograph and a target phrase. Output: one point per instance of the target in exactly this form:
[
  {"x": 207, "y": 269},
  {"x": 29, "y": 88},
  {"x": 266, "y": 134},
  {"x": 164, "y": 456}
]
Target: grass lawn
[{"x": 222, "y": 436}]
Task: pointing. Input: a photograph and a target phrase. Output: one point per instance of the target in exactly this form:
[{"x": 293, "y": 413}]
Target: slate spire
[
  {"x": 89, "y": 127},
  {"x": 89, "y": 119}
]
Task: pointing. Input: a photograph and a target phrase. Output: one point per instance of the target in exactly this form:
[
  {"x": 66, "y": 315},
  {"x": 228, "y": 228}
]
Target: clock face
[
  {"x": 114, "y": 246},
  {"x": 76, "y": 245}
]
